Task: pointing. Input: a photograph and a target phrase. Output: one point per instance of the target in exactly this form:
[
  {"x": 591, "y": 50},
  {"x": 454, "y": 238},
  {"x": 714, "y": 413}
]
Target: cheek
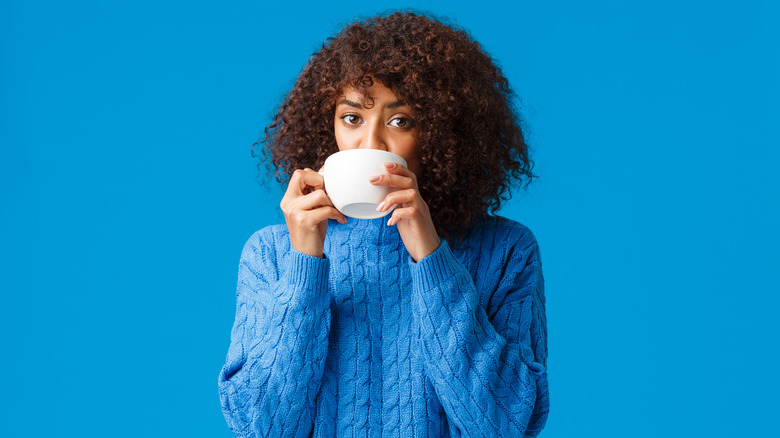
[
  {"x": 344, "y": 139},
  {"x": 410, "y": 147},
  {"x": 408, "y": 150}
]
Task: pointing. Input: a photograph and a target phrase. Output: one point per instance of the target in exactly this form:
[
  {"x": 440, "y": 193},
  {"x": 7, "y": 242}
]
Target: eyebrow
[
  {"x": 357, "y": 105},
  {"x": 350, "y": 103}
]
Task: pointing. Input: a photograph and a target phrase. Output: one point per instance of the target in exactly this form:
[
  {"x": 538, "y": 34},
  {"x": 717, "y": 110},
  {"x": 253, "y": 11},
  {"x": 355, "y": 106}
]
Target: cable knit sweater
[{"x": 365, "y": 342}]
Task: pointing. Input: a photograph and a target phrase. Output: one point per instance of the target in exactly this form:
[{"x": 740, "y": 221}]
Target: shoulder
[
  {"x": 500, "y": 234},
  {"x": 500, "y": 248},
  {"x": 272, "y": 235},
  {"x": 502, "y": 256},
  {"x": 271, "y": 240}
]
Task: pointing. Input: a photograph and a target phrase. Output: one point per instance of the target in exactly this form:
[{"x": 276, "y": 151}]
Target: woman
[{"x": 430, "y": 323}]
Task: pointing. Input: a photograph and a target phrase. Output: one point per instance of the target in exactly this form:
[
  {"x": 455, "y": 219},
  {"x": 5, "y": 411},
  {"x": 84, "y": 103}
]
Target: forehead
[{"x": 376, "y": 94}]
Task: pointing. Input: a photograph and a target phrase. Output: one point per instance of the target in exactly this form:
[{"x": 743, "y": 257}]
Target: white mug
[{"x": 346, "y": 175}]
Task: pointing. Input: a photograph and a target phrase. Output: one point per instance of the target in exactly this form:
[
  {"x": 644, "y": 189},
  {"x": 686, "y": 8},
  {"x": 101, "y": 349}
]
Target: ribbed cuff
[
  {"x": 436, "y": 268},
  {"x": 307, "y": 275}
]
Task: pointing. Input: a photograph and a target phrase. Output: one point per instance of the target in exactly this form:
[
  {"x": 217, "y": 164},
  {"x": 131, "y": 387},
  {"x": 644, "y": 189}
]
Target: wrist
[
  {"x": 426, "y": 250},
  {"x": 313, "y": 249}
]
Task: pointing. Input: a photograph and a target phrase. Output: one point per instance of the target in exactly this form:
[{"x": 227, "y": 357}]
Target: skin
[{"x": 387, "y": 125}]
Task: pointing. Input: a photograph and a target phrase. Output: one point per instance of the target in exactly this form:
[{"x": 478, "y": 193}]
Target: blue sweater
[{"x": 365, "y": 342}]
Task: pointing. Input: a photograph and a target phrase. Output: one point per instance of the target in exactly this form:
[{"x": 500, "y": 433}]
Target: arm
[
  {"x": 278, "y": 343},
  {"x": 489, "y": 370}
]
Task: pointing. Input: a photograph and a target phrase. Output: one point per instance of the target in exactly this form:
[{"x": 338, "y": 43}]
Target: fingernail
[
  {"x": 375, "y": 178},
  {"x": 380, "y": 206},
  {"x": 389, "y": 164}
]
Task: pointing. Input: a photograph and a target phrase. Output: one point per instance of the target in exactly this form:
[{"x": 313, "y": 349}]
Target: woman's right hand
[{"x": 306, "y": 210}]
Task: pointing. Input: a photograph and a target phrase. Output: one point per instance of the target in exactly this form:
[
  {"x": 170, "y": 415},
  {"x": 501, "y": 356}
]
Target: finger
[
  {"x": 392, "y": 180},
  {"x": 315, "y": 199},
  {"x": 311, "y": 219},
  {"x": 311, "y": 179},
  {"x": 408, "y": 197},
  {"x": 294, "y": 201},
  {"x": 400, "y": 169},
  {"x": 324, "y": 213},
  {"x": 303, "y": 178},
  {"x": 408, "y": 213}
]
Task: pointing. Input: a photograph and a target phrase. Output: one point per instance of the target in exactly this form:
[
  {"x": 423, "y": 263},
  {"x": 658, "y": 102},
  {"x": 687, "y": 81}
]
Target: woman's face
[{"x": 387, "y": 125}]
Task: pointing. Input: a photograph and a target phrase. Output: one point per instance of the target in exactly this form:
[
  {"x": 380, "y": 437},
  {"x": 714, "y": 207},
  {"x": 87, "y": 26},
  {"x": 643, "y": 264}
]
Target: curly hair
[{"x": 469, "y": 136}]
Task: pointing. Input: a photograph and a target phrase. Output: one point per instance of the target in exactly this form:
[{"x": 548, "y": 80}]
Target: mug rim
[{"x": 372, "y": 151}]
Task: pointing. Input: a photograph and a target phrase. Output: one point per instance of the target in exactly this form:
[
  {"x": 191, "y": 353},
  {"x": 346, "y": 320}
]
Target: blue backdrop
[{"x": 128, "y": 191}]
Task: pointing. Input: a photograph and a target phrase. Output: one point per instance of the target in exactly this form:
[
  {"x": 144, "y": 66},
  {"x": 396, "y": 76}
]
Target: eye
[
  {"x": 401, "y": 122},
  {"x": 351, "y": 119}
]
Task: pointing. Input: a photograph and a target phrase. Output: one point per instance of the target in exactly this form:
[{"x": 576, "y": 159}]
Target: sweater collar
[{"x": 373, "y": 226}]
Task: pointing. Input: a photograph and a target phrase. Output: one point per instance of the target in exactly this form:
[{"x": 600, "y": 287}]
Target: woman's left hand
[{"x": 411, "y": 214}]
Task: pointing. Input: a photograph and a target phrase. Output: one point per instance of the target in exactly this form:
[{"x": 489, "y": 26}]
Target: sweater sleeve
[
  {"x": 279, "y": 341},
  {"x": 489, "y": 371}
]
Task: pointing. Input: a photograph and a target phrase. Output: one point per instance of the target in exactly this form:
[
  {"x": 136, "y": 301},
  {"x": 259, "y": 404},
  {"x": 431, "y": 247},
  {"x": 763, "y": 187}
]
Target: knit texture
[{"x": 367, "y": 343}]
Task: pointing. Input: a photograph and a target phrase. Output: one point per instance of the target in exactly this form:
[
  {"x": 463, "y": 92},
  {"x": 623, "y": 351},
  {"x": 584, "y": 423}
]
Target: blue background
[{"x": 128, "y": 191}]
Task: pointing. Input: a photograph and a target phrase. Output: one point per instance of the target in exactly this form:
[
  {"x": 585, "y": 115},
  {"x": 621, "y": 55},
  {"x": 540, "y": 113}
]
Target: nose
[{"x": 374, "y": 137}]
